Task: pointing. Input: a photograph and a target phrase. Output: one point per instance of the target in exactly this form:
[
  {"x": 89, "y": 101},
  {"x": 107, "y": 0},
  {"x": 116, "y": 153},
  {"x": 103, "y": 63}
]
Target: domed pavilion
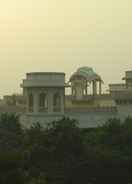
[{"x": 85, "y": 81}]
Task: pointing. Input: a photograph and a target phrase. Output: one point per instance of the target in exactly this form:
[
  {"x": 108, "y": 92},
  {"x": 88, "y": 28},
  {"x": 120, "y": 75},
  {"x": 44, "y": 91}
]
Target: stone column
[
  {"x": 62, "y": 101},
  {"x": 36, "y": 102},
  {"x": 89, "y": 89},
  {"x": 72, "y": 90},
  {"x": 27, "y": 102},
  {"x": 94, "y": 88},
  {"x": 25, "y": 94},
  {"x": 100, "y": 87},
  {"x": 86, "y": 90},
  {"x": 50, "y": 101}
]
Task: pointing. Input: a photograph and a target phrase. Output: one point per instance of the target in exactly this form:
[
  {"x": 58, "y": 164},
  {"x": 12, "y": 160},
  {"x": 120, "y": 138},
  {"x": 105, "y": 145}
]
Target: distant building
[
  {"x": 14, "y": 100},
  {"x": 13, "y": 104},
  {"x": 44, "y": 98},
  {"x": 86, "y": 92},
  {"x": 44, "y": 93},
  {"x": 122, "y": 93}
]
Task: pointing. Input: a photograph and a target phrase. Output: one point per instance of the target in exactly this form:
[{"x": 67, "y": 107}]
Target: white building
[
  {"x": 45, "y": 95},
  {"x": 46, "y": 100},
  {"x": 122, "y": 93}
]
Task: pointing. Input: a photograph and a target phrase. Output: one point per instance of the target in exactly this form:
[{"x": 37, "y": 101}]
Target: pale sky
[{"x": 62, "y": 35}]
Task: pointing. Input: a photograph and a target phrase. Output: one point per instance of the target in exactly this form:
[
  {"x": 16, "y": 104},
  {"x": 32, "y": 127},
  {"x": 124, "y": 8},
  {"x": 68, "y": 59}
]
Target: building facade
[
  {"x": 44, "y": 94},
  {"x": 122, "y": 93},
  {"x": 47, "y": 101}
]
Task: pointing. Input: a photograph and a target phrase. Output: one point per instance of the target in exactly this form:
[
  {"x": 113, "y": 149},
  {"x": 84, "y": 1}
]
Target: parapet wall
[{"x": 44, "y": 80}]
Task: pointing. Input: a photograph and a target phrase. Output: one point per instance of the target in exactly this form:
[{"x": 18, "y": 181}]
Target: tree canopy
[{"x": 64, "y": 153}]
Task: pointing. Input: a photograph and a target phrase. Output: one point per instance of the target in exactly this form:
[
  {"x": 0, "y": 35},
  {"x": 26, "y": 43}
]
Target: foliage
[
  {"x": 64, "y": 153},
  {"x": 11, "y": 133}
]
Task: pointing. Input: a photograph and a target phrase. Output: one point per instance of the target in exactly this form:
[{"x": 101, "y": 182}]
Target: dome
[{"x": 86, "y": 73}]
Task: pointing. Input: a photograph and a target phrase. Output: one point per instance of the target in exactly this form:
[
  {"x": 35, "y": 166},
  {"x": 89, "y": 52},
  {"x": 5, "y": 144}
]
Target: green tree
[{"x": 11, "y": 132}]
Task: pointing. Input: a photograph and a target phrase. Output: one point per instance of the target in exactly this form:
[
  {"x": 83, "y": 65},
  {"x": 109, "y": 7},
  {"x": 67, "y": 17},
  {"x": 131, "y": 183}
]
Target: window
[
  {"x": 43, "y": 102},
  {"x": 57, "y": 102},
  {"x": 30, "y": 102}
]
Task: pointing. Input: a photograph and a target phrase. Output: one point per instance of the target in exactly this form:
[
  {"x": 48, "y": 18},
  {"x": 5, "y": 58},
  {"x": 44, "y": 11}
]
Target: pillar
[
  {"x": 86, "y": 90},
  {"x": 27, "y": 102},
  {"x": 94, "y": 88},
  {"x": 50, "y": 101},
  {"x": 36, "y": 102},
  {"x": 62, "y": 102},
  {"x": 100, "y": 87},
  {"x": 72, "y": 91}
]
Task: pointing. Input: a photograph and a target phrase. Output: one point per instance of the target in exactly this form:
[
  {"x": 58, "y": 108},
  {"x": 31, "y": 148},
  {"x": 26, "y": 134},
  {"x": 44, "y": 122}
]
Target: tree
[
  {"x": 11, "y": 132},
  {"x": 53, "y": 150},
  {"x": 101, "y": 171}
]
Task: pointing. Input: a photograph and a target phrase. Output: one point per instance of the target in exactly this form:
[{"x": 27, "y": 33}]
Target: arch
[
  {"x": 30, "y": 102},
  {"x": 43, "y": 102},
  {"x": 57, "y": 102}
]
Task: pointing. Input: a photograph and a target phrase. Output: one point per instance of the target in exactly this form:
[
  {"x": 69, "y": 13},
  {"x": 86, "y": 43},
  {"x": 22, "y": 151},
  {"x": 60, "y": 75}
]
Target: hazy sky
[{"x": 61, "y": 35}]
